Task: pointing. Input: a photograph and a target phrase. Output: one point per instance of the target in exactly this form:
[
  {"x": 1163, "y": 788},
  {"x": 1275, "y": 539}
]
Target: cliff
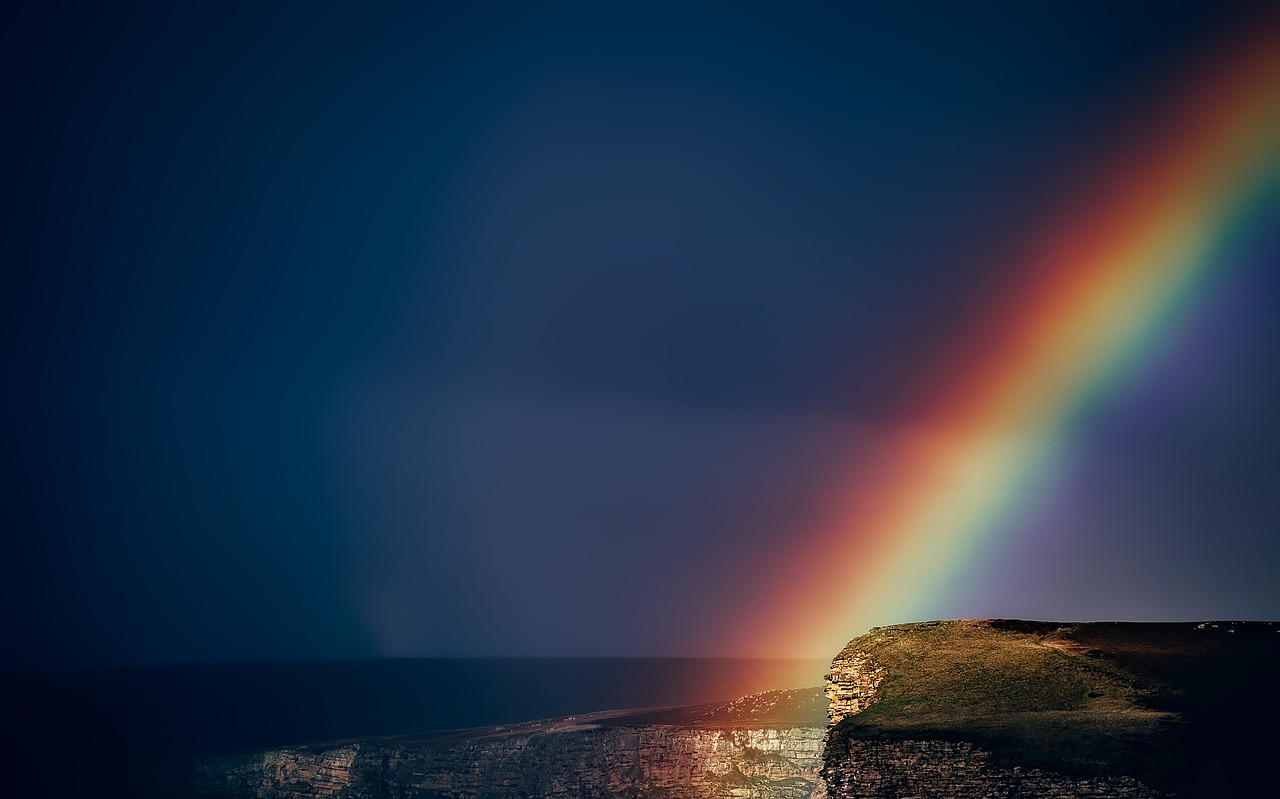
[
  {"x": 958, "y": 709},
  {"x": 766, "y": 746},
  {"x": 1007, "y": 708}
]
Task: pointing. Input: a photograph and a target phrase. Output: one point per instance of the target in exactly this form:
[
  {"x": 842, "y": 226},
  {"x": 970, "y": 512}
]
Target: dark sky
[{"x": 539, "y": 329}]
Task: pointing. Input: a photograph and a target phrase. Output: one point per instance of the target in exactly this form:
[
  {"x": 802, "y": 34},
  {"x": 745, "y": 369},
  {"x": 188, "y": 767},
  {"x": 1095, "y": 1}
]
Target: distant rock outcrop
[{"x": 765, "y": 746}]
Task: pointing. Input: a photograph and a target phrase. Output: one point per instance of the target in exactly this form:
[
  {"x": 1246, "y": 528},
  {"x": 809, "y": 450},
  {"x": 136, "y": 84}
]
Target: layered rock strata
[
  {"x": 852, "y": 682},
  {"x": 957, "y": 770}
]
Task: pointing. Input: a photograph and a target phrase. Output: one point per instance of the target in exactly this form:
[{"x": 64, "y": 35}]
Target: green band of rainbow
[{"x": 1105, "y": 287}]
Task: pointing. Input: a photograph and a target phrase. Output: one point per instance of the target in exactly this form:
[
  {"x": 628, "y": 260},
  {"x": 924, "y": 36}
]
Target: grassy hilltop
[{"x": 1189, "y": 708}]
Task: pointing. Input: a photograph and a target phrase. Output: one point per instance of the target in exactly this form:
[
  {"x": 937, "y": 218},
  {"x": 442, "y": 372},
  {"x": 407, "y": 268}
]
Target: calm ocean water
[{"x": 230, "y": 707}]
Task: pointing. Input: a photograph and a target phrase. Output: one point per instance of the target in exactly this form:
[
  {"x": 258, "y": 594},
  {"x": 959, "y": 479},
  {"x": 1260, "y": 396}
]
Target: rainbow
[{"x": 1101, "y": 290}]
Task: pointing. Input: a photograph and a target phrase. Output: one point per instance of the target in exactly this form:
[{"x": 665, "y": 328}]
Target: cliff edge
[{"x": 1011, "y": 708}]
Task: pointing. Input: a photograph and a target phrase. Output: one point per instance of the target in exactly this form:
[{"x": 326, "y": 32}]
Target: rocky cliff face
[
  {"x": 852, "y": 682},
  {"x": 687, "y": 754}
]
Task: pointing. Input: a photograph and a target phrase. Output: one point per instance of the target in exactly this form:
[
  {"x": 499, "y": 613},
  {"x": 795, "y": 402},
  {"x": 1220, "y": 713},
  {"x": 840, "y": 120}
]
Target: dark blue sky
[{"x": 497, "y": 329}]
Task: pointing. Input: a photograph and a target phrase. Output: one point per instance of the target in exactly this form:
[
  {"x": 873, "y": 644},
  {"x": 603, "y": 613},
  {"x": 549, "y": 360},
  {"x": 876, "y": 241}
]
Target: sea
[{"x": 190, "y": 710}]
